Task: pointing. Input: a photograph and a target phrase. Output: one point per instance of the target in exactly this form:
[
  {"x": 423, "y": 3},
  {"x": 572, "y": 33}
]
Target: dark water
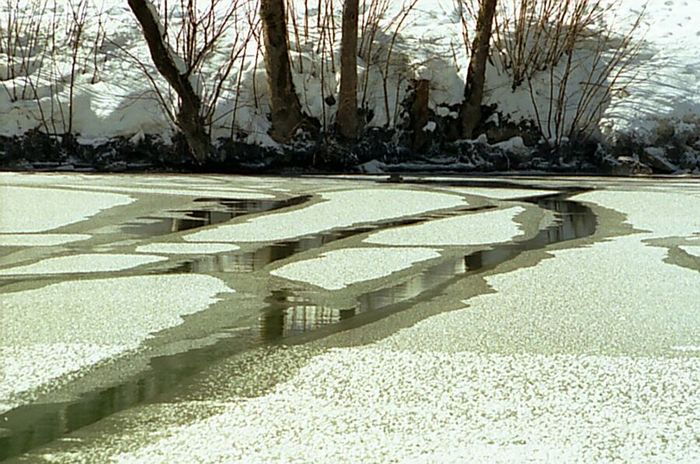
[{"x": 286, "y": 317}]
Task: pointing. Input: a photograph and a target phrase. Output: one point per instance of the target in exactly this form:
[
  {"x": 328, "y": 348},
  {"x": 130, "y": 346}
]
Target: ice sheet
[
  {"x": 340, "y": 209},
  {"x": 469, "y": 229},
  {"x": 85, "y": 263},
  {"x": 26, "y": 209},
  {"x": 338, "y": 269}
]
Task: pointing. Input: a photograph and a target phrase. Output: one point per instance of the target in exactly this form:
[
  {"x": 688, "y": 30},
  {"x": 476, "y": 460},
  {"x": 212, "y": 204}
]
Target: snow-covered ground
[{"x": 115, "y": 99}]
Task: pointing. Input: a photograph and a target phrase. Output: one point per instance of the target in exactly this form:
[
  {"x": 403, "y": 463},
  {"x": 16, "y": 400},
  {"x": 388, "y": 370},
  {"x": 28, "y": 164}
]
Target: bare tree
[
  {"x": 285, "y": 107},
  {"x": 346, "y": 118},
  {"x": 172, "y": 67},
  {"x": 476, "y": 75}
]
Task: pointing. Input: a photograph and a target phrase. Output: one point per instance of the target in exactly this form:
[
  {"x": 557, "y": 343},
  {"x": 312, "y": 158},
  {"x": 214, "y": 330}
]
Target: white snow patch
[
  {"x": 691, "y": 250},
  {"x": 183, "y": 191},
  {"x": 469, "y": 229},
  {"x": 85, "y": 263},
  {"x": 503, "y": 193},
  {"x": 28, "y": 367},
  {"x": 78, "y": 323},
  {"x": 624, "y": 300},
  {"x": 187, "y": 248},
  {"x": 26, "y": 209},
  {"x": 340, "y": 209},
  {"x": 376, "y": 405},
  {"x": 25, "y": 240},
  {"x": 663, "y": 214},
  {"x": 687, "y": 349},
  {"x": 338, "y": 269}
]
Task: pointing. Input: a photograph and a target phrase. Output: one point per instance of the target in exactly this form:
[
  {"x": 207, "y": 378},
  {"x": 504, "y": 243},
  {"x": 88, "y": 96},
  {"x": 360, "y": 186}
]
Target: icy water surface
[{"x": 288, "y": 316}]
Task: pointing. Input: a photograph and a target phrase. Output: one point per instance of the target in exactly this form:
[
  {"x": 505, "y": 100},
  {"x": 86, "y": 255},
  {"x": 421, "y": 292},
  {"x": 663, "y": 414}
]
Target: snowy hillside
[{"x": 113, "y": 97}]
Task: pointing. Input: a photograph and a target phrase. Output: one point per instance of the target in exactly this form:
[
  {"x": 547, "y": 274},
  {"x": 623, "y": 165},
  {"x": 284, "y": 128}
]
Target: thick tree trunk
[
  {"x": 284, "y": 102},
  {"x": 476, "y": 75},
  {"x": 172, "y": 68},
  {"x": 346, "y": 120},
  {"x": 420, "y": 115}
]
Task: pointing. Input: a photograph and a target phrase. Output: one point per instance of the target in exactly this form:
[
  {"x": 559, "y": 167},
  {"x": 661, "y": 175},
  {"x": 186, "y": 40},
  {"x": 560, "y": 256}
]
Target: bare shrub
[
  {"x": 44, "y": 45},
  {"x": 571, "y": 56},
  {"x": 596, "y": 62},
  {"x": 205, "y": 39}
]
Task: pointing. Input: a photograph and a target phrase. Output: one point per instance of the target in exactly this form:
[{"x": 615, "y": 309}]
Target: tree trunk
[
  {"x": 284, "y": 102},
  {"x": 172, "y": 68},
  {"x": 346, "y": 120},
  {"x": 420, "y": 115},
  {"x": 476, "y": 75}
]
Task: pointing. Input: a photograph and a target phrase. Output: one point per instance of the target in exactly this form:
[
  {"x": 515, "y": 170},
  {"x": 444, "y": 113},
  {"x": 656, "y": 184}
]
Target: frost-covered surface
[
  {"x": 625, "y": 301},
  {"x": 376, "y": 405},
  {"x": 26, "y": 209},
  {"x": 574, "y": 366},
  {"x": 337, "y": 269},
  {"x": 469, "y": 229},
  {"x": 691, "y": 250},
  {"x": 503, "y": 193},
  {"x": 87, "y": 321},
  {"x": 186, "y": 248},
  {"x": 585, "y": 354},
  {"x": 339, "y": 209},
  {"x": 85, "y": 263},
  {"x": 25, "y": 240},
  {"x": 26, "y": 368},
  {"x": 661, "y": 213},
  {"x": 185, "y": 191}
]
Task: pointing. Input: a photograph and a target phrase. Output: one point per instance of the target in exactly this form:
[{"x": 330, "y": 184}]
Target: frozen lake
[{"x": 209, "y": 318}]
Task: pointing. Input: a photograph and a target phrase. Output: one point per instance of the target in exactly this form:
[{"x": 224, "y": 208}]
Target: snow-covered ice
[
  {"x": 574, "y": 366},
  {"x": 376, "y": 405},
  {"x": 28, "y": 367},
  {"x": 187, "y": 248},
  {"x": 86, "y": 321},
  {"x": 479, "y": 228},
  {"x": 663, "y": 214},
  {"x": 182, "y": 191},
  {"x": 625, "y": 301},
  {"x": 502, "y": 193},
  {"x": 27, "y": 240},
  {"x": 84, "y": 263},
  {"x": 338, "y": 209},
  {"x": 691, "y": 250},
  {"x": 335, "y": 270},
  {"x": 26, "y": 209}
]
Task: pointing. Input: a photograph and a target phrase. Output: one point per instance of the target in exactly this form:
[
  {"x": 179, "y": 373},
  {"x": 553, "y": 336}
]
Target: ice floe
[
  {"x": 26, "y": 209},
  {"x": 616, "y": 297},
  {"x": 340, "y": 209},
  {"x": 691, "y": 250},
  {"x": 32, "y": 240},
  {"x": 187, "y": 248},
  {"x": 337, "y": 269},
  {"x": 376, "y": 405},
  {"x": 664, "y": 214},
  {"x": 78, "y": 323},
  {"x": 503, "y": 193},
  {"x": 469, "y": 229},
  {"x": 84, "y": 263}
]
